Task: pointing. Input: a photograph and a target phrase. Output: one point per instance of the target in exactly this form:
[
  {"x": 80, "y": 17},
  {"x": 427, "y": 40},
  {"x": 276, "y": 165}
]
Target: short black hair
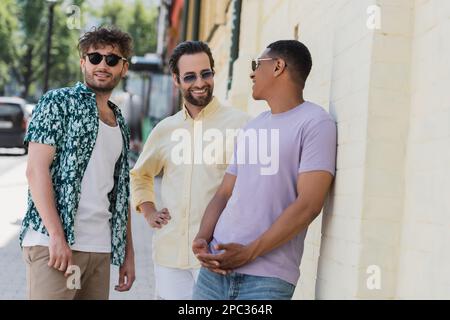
[
  {"x": 297, "y": 57},
  {"x": 106, "y": 35},
  {"x": 188, "y": 47}
]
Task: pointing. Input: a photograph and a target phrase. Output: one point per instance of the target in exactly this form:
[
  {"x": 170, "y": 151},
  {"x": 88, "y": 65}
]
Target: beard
[
  {"x": 104, "y": 87},
  {"x": 201, "y": 101}
]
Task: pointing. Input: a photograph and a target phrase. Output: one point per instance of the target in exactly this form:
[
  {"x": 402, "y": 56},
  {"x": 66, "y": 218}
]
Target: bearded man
[{"x": 178, "y": 147}]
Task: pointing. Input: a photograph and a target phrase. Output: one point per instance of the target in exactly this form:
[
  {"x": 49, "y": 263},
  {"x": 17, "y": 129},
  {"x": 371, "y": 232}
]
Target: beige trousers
[{"x": 47, "y": 283}]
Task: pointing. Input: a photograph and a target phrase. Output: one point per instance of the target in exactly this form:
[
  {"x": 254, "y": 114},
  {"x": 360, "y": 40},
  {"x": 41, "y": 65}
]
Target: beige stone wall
[
  {"x": 387, "y": 88},
  {"x": 387, "y": 130},
  {"x": 425, "y": 241},
  {"x": 341, "y": 46}
]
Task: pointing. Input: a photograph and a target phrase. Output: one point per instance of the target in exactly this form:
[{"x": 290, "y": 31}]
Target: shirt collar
[
  {"x": 205, "y": 112},
  {"x": 80, "y": 87}
]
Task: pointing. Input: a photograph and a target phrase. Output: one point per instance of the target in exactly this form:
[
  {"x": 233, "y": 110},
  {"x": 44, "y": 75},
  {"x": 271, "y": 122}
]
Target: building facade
[{"x": 380, "y": 67}]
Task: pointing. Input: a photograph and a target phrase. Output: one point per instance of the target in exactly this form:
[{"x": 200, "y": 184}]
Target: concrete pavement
[{"x": 13, "y": 191}]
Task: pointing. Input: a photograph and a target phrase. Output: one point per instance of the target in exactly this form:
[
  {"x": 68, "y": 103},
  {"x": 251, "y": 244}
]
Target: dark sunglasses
[
  {"x": 256, "y": 62},
  {"x": 192, "y": 77},
  {"x": 111, "y": 59}
]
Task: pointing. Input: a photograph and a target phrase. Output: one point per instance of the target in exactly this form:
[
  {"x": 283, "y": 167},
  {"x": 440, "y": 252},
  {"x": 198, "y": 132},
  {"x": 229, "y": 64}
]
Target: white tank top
[{"x": 92, "y": 221}]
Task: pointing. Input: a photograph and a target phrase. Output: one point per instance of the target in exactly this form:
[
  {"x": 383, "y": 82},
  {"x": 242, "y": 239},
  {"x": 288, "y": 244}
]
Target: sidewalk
[
  {"x": 143, "y": 287},
  {"x": 13, "y": 190}
]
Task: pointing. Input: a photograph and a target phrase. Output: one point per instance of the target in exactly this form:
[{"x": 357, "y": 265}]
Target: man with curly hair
[{"x": 77, "y": 220}]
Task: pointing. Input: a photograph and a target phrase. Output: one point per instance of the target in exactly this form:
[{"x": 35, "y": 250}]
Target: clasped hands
[{"x": 232, "y": 255}]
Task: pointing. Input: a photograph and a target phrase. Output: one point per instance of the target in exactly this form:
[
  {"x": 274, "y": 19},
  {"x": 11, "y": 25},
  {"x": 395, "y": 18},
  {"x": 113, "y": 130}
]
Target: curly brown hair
[{"x": 102, "y": 36}]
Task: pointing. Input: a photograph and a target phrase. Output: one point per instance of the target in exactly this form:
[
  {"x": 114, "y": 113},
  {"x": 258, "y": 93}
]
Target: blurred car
[{"x": 13, "y": 122}]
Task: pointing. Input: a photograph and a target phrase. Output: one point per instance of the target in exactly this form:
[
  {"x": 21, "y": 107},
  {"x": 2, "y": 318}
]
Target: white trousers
[{"x": 173, "y": 283}]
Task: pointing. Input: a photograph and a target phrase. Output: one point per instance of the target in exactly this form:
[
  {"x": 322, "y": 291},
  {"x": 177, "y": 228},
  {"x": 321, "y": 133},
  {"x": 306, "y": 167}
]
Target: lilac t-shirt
[{"x": 271, "y": 151}]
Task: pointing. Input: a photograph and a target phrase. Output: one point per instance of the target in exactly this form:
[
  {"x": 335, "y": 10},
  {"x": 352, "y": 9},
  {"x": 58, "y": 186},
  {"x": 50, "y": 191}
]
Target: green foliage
[
  {"x": 28, "y": 65},
  {"x": 23, "y": 39},
  {"x": 8, "y": 26},
  {"x": 138, "y": 20},
  {"x": 65, "y": 65},
  {"x": 143, "y": 29},
  {"x": 114, "y": 13}
]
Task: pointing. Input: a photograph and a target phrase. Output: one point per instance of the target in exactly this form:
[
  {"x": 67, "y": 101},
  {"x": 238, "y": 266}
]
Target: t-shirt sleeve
[
  {"x": 46, "y": 125},
  {"x": 232, "y": 167},
  {"x": 318, "y": 151}
]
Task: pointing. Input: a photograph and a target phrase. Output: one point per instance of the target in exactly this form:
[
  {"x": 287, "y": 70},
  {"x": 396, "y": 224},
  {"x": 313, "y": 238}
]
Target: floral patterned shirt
[{"x": 68, "y": 119}]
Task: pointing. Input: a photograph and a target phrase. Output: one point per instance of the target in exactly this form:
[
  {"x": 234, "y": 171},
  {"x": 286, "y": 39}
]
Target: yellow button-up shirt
[{"x": 193, "y": 156}]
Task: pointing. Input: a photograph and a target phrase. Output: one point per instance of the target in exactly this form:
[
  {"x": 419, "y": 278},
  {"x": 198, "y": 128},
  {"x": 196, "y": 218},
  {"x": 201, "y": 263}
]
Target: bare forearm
[
  {"x": 313, "y": 188},
  {"x": 291, "y": 222},
  {"x": 211, "y": 216},
  {"x": 130, "y": 247},
  {"x": 42, "y": 192}
]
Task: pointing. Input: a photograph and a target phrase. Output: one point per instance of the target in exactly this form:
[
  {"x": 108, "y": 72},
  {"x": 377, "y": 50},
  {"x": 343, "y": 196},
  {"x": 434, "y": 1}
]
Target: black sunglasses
[
  {"x": 256, "y": 62},
  {"x": 192, "y": 77},
  {"x": 111, "y": 59}
]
